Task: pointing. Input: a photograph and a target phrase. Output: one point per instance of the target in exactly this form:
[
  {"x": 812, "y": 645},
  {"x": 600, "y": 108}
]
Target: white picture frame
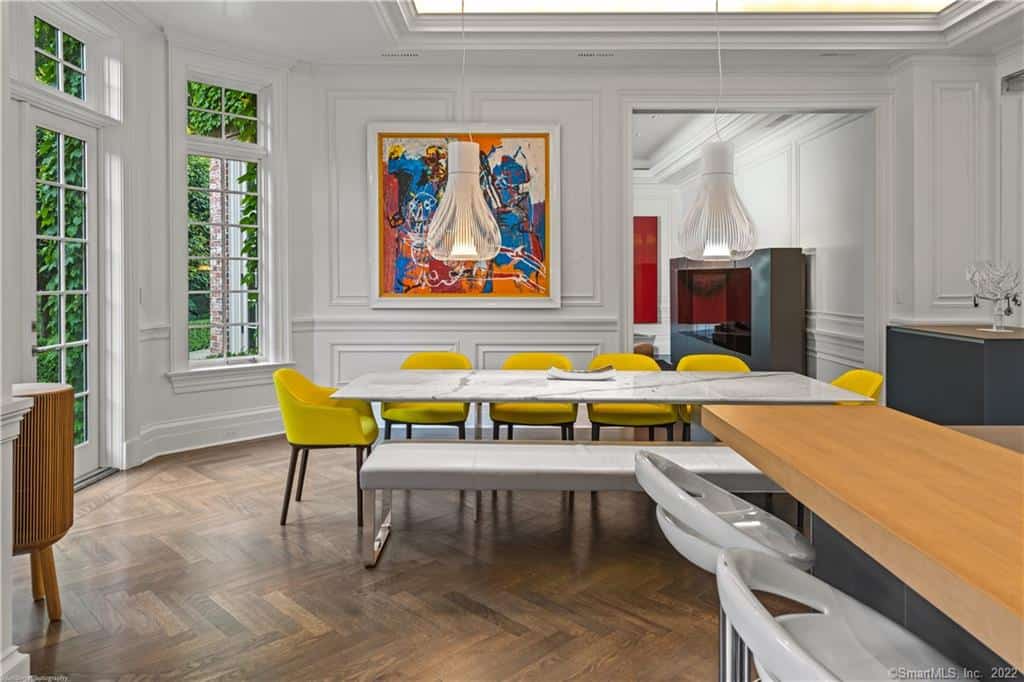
[{"x": 380, "y": 299}]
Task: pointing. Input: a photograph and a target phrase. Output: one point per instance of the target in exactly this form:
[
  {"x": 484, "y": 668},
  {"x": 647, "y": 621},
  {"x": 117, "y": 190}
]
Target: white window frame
[{"x": 185, "y": 64}]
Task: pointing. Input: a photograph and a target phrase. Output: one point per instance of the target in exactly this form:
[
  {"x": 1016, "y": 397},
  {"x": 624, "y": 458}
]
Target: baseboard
[
  {"x": 14, "y": 666},
  {"x": 179, "y": 435}
]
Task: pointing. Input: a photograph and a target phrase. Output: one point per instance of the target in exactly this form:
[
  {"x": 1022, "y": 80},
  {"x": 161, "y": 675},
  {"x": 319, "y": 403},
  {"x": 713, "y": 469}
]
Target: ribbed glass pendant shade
[
  {"x": 718, "y": 226},
  {"x": 463, "y": 227}
]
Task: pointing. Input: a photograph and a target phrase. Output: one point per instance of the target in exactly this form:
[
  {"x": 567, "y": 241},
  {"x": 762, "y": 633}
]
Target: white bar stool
[
  {"x": 842, "y": 641},
  {"x": 700, "y": 519}
]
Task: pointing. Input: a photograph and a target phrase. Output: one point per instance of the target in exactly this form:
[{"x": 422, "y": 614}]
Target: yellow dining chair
[
  {"x": 314, "y": 420},
  {"x": 650, "y": 415},
  {"x": 451, "y": 414},
  {"x": 705, "y": 362},
  {"x": 535, "y": 414},
  {"x": 862, "y": 381}
]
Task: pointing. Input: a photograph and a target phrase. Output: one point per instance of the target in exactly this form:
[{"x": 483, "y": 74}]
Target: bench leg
[{"x": 375, "y": 537}]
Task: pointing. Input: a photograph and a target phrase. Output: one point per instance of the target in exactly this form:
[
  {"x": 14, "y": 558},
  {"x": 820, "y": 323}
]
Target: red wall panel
[{"x": 645, "y": 269}]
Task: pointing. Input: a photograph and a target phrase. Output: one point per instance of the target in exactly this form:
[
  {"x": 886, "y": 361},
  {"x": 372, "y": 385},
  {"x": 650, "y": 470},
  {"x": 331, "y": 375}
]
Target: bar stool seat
[{"x": 843, "y": 640}]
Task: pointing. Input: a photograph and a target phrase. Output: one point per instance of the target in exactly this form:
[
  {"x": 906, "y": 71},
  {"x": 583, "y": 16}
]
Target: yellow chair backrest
[
  {"x": 862, "y": 381},
  {"x": 295, "y": 393},
  {"x": 626, "y": 362},
  {"x": 537, "y": 361},
  {"x": 711, "y": 362},
  {"x": 437, "y": 360}
]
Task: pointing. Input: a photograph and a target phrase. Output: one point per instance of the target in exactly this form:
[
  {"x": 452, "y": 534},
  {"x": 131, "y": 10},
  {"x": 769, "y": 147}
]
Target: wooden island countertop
[{"x": 942, "y": 511}]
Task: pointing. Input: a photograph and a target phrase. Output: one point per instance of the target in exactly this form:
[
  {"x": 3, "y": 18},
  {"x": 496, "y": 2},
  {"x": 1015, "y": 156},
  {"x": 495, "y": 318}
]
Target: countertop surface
[
  {"x": 970, "y": 331},
  {"x": 941, "y": 510}
]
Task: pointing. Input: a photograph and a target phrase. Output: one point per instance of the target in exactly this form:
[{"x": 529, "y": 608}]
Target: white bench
[{"x": 490, "y": 465}]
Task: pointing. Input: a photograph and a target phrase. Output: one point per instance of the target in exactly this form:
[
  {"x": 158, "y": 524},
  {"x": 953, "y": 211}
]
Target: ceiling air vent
[
  {"x": 595, "y": 53},
  {"x": 400, "y": 54}
]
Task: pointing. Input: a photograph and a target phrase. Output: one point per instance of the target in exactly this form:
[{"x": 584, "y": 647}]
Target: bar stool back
[
  {"x": 841, "y": 640},
  {"x": 700, "y": 520}
]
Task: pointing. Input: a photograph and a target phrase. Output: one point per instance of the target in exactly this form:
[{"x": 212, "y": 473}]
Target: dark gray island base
[{"x": 842, "y": 564}]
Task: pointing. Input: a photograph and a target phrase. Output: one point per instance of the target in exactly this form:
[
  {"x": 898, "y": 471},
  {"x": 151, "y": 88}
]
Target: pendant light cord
[
  {"x": 718, "y": 51},
  {"x": 462, "y": 85}
]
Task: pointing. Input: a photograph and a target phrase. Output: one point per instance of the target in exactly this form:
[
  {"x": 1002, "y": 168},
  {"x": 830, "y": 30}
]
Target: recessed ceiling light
[{"x": 675, "y": 6}]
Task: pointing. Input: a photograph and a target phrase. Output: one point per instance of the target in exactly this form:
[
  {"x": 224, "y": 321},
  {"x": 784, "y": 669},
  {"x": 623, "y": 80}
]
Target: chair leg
[
  {"x": 302, "y": 474},
  {"x": 570, "y": 430},
  {"x": 509, "y": 428},
  {"x": 686, "y": 431},
  {"x": 595, "y": 432},
  {"x": 495, "y": 431},
  {"x": 562, "y": 433},
  {"x": 800, "y": 513},
  {"x": 50, "y": 583},
  {"x": 36, "y": 562},
  {"x": 387, "y": 430},
  {"x": 408, "y": 431},
  {"x": 650, "y": 433},
  {"x": 288, "y": 485},
  {"x": 671, "y": 430},
  {"x": 462, "y": 431},
  {"x": 359, "y": 498}
]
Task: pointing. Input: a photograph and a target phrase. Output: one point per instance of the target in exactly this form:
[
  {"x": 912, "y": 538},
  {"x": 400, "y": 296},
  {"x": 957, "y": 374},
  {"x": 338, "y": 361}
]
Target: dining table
[{"x": 481, "y": 386}]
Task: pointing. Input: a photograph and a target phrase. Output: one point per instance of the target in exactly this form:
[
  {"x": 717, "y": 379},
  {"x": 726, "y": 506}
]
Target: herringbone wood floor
[{"x": 179, "y": 570}]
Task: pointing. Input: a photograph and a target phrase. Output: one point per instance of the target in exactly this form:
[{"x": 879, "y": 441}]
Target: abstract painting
[{"x": 517, "y": 176}]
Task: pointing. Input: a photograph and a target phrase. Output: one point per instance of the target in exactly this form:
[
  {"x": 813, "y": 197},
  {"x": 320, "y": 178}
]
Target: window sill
[{"x": 224, "y": 377}]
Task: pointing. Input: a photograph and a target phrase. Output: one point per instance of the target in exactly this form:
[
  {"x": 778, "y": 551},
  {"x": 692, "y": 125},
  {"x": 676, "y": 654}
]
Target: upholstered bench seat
[{"x": 525, "y": 466}]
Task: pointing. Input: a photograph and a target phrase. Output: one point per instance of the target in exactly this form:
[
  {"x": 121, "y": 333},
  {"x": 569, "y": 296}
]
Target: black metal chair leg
[
  {"x": 562, "y": 434},
  {"x": 595, "y": 432},
  {"x": 570, "y": 430},
  {"x": 288, "y": 485},
  {"x": 686, "y": 431},
  {"x": 671, "y": 430},
  {"x": 800, "y": 513},
  {"x": 387, "y": 430},
  {"x": 509, "y": 428},
  {"x": 408, "y": 431},
  {"x": 359, "y": 497},
  {"x": 302, "y": 474},
  {"x": 462, "y": 431},
  {"x": 650, "y": 433},
  {"x": 496, "y": 431}
]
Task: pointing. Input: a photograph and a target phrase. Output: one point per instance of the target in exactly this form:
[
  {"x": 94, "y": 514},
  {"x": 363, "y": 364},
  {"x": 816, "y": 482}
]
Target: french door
[{"x": 65, "y": 228}]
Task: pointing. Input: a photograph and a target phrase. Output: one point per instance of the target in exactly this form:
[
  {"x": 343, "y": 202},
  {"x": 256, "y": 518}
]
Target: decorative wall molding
[
  {"x": 483, "y": 350},
  {"x": 159, "y": 332},
  {"x": 377, "y": 323},
  {"x": 836, "y": 337},
  {"x": 956, "y": 195},
  {"x": 178, "y": 435},
  {"x": 379, "y": 356},
  {"x": 48, "y": 99}
]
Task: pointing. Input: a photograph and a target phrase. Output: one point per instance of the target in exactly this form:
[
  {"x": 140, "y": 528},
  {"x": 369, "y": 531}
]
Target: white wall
[
  {"x": 336, "y": 335},
  {"x": 809, "y": 185}
]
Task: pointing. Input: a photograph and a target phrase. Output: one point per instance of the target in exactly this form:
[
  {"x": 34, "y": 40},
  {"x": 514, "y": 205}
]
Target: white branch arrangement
[{"x": 999, "y": 283}]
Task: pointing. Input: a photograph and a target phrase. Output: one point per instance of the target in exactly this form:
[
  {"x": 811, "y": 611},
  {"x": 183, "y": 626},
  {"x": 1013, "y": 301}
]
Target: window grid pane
[
  {"x": 225, "y": 301},
  {"x": 221, "y": 113},
  {"x": 62, "y": 345},
  {"x": 59, "y": 59}
]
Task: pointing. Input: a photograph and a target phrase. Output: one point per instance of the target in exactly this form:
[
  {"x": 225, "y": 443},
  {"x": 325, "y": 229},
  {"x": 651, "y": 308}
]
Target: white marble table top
[{"x": 627, "y": 387}]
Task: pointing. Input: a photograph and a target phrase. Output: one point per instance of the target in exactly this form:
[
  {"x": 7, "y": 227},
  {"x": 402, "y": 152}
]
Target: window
[
  {"x": 222, "y": 113},
  {"x": 62, "y": 290},
  {"x": 59, "y": 59},
  {"x": 225, "y": 302}
]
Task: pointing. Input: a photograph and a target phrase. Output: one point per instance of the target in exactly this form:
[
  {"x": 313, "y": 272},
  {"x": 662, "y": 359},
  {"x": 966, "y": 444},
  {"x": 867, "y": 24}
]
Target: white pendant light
[
  {"x": 718, "y": 226},
  {"x": 463, "y": 227}
]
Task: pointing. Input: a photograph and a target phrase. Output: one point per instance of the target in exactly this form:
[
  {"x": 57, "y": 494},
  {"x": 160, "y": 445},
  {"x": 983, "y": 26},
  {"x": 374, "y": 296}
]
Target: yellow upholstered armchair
[
  {"x": 535, "y": 414},
  {"x": 862, "y": 381},
  {"x": 452, "y": 414},
  {"x": 314, "y": 420},
  {"x": 650, "y": 415},
  {"x": 705, "y": 362}
]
